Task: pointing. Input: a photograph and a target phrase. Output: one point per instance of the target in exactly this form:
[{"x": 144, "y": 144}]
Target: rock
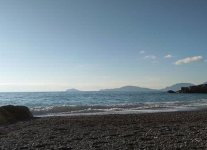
[
  {"x": 171, "y": 91},
  {"x": 10, "y": 114},
  {"x": 194, "y": 89}
]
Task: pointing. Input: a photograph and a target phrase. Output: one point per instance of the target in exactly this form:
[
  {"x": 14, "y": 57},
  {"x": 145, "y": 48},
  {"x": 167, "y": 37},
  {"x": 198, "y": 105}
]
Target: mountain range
[
  {"x": 130, "y": 88},
  {"x": 174, "y": 87}
]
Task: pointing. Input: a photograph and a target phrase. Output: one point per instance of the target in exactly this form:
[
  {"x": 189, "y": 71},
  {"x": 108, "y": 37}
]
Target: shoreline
[
  {"x": 163, "y": 130},
  {"x": 125, "y": 112}
]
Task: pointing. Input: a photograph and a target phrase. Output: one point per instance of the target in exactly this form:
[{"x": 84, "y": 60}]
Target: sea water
[{"x": 102, "y": 102}]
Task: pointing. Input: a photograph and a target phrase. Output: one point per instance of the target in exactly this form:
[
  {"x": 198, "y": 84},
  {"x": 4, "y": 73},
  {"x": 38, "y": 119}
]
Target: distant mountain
[
  {"x": 130, "y": 88},
  {"x": 72, "y": 90},
  {"x": 205, "y": 83},
  {"x": 177, "y": 86}
]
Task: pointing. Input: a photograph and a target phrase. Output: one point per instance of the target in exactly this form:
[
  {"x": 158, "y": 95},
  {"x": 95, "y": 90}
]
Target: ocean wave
[{"x": 121, "y": 108}]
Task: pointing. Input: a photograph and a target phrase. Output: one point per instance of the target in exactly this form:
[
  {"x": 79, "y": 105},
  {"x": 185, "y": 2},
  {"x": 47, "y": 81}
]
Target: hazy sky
[{"x": 93, "y": 44}]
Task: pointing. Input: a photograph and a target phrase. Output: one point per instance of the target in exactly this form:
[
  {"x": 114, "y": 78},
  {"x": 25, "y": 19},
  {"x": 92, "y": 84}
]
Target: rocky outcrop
[
  {"x": 177, "y": 86},
  {"x": 171, "y": 91},
  {"x": 194, "y": 89},
  {"x": 10, "y": 114}
]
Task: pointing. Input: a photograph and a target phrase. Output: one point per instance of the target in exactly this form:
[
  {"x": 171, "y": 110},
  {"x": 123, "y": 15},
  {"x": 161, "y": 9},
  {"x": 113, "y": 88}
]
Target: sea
[{"x": 103, "y": 102}]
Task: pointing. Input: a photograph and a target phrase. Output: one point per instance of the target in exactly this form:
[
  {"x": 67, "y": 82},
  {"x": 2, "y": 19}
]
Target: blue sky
[{"x": 53, "y": 45}]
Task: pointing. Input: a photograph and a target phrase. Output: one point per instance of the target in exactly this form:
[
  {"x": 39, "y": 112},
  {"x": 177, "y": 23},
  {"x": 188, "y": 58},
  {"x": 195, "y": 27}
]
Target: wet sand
[{"x": 171, "y": 130}]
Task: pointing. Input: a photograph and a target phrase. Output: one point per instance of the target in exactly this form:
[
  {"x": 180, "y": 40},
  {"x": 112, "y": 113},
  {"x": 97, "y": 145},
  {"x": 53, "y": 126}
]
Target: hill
[
  {"x": 177, "y": 86},
  {"x": 130, "y": 88},
  {"x": 72, "y": 90}
]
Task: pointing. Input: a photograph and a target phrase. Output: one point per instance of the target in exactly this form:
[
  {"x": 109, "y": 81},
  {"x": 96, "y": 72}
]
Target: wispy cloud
[
  {"x": 151, "y": 57},
  {"x": 189, "y": 60},
  {"x": 168, "y": 56},
  {"x": 142, "y": 52}
]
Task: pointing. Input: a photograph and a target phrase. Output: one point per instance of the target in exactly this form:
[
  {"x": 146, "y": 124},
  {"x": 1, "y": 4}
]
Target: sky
[{"x": 53, "y": 45}]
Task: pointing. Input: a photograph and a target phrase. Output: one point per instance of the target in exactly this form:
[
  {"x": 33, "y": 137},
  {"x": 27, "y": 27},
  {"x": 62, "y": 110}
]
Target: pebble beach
[{"x": 166, "y": 130}]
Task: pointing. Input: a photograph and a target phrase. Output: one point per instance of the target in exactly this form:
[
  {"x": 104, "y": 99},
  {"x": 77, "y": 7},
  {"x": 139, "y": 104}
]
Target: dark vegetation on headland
[
  {"x": 202, "y": 88},
  {"x": 194, "y": 89}
]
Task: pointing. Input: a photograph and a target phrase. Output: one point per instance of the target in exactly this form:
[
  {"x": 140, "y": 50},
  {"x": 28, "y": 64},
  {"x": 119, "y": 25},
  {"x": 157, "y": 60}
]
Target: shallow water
[{"x": 66, "y": 103}]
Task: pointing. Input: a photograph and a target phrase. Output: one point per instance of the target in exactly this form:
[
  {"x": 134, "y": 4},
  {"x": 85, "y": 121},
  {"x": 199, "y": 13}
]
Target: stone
[
  {"x": 171, "y": 91},
  {"x": 10, "y": 114}
]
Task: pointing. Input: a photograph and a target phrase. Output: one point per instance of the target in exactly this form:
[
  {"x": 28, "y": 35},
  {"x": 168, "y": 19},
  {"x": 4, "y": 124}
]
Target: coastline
[
  {"x": 161, "y": 130},
  {"x": 125, "y": 112}
]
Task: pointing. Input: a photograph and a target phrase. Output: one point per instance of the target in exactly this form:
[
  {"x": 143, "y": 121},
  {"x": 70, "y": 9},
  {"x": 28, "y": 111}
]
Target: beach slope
[{"x": 171, "y": 130}]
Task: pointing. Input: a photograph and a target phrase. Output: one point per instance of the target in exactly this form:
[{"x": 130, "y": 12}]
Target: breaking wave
[{"x": 118, "y": 109}]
